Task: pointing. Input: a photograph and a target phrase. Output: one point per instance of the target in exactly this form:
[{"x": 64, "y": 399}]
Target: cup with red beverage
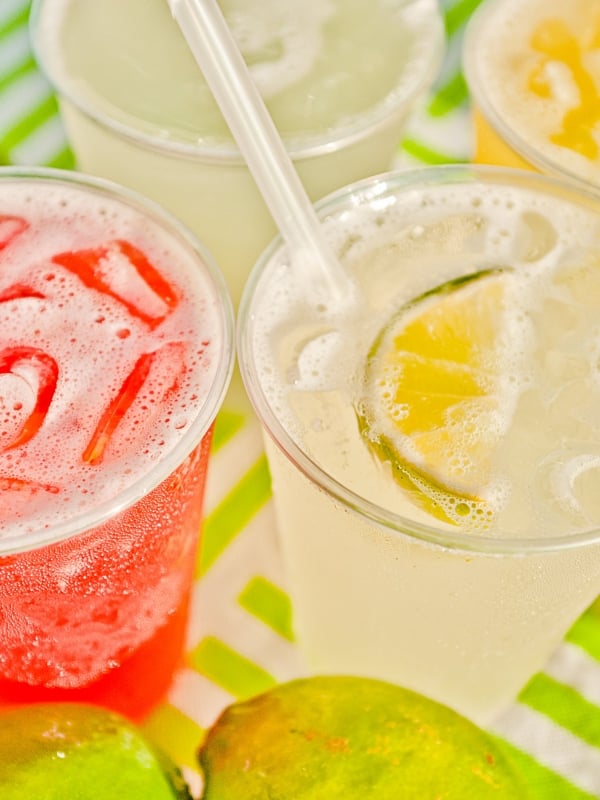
[{"x": 116, "y": 350}]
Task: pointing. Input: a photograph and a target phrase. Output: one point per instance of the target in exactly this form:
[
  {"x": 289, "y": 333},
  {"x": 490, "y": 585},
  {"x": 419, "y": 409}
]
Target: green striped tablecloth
[{"x": 240, "y": 638}]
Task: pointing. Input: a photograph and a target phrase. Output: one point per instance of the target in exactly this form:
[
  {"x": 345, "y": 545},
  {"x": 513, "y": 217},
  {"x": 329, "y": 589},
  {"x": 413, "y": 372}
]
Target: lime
[
  {"x": 436, "y": 398},
  {"x": 340, "y": 737},
  {"x": 56, "y": 751}
]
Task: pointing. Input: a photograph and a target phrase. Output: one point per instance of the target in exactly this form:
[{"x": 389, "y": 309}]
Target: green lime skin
[
  {"x": 72, "y": 751},
  {"x": 343, "y": 737}
]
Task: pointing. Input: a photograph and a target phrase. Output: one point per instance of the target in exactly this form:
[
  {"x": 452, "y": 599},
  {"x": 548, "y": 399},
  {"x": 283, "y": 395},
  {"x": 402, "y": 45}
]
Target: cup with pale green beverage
[
  {"x": 434, "y": 443},
  {"x": 340, "y": 78}
]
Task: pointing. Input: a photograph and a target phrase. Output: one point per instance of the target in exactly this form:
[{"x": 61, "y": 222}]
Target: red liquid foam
[{"x": 102, "y": 353}]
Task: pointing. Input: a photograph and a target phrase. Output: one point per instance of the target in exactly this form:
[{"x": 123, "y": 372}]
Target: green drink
[{"x": 339, "y": 77}]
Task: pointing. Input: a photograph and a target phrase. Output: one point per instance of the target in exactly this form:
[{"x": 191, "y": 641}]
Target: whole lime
[
  {"x": 68, "y": 751},
  {"x": 348, "y": 737}
]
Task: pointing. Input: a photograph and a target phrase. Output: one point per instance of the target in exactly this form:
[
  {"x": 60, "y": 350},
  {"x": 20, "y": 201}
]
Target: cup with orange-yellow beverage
[{"x": 533, "y": 70}]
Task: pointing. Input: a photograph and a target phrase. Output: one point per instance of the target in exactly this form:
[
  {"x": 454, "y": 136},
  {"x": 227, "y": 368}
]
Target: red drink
[{"x": 115, "y": 353}]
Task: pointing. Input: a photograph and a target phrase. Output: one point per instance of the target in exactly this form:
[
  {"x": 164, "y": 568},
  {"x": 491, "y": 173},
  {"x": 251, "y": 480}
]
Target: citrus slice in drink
[{"x": 439, "y": 392}]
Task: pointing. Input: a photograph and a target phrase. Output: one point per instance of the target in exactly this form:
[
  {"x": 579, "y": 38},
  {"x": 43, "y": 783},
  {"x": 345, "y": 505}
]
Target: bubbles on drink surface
[
  {"x": 539, "y": 67},
  {"x": 106, "y": 349},
  {"x": 531, "y": 363}
]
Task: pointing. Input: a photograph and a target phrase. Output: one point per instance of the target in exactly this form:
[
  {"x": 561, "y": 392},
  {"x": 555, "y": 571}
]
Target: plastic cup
[
  {"x": 115, "y": 354},
  {"x": 379, "y": 586},
  {"x": 375, "y": 67},
  {"x": 532, "y": 73}
]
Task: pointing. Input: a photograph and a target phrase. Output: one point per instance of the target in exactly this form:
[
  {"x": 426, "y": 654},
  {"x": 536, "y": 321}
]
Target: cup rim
[
  {"x": 395, "y": 524},
  {"x": 299, "y": 148},
  {"x": 470, "y": 53},
  {"x": 206, "y": 413}
]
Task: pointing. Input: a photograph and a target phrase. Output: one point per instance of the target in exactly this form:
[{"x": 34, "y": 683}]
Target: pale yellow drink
[
  {"x": 340, "y": 78},
  {"x": 461, "y": 587},
  {"x": 533, "y": 70}
]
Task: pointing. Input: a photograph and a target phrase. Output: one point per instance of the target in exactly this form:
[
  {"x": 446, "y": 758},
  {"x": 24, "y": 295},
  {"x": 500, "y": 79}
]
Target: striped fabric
[{"x": 240, "y": 637}]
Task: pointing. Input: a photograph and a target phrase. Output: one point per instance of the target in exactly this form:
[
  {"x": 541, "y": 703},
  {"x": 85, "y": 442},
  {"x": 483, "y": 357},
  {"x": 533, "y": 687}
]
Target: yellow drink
[
  {"x": 533, "y": 70},
  {"x": 447, "y": 548}
]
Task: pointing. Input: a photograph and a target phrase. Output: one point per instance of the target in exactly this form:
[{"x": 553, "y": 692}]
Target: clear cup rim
[
  {"x": 396, "y": 524},
  {"x": 207, "y": 412},
  {"x": 495, "y": 119},
  {"x": 299, "y": 148}
]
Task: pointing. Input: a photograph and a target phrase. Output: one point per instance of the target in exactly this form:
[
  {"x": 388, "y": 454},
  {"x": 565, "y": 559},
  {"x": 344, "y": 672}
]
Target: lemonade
[
  {"x": 435, "y": 452},
  {"x": 339, "y": 77},
  {"x": 533, "y": 69},
  {"x": 115, "y": 353}
]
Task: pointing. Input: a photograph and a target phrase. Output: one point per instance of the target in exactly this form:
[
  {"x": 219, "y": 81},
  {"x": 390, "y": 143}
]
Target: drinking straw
[{"x": 217, "y": 54}]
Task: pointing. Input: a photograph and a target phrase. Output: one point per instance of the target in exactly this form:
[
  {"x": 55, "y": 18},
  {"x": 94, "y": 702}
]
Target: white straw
[{"x": 216, "y": 51}]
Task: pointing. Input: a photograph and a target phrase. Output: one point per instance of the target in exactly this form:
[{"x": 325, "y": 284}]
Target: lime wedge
[{"x": 435, "y": 398}]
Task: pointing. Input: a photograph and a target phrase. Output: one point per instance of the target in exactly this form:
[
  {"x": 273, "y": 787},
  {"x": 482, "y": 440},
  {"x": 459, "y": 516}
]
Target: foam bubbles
[
  {"x": 396, "y": 252},
  {"x": 283, "y": 42},
  {"x": 92, "y": 334},
  {"x": 535, "y": 68}
]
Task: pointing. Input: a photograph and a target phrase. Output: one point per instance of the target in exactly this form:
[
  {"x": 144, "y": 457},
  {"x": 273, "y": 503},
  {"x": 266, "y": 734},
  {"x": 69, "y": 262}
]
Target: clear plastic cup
[
  {"x": 137, "y": 110},
  {"x": 532, "y": 73},
  {"x": 380, "y": 585},
  {"x": 115, "y": 354}
]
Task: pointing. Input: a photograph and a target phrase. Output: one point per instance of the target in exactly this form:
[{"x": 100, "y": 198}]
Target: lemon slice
[{"x": 436, "y": 400}]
